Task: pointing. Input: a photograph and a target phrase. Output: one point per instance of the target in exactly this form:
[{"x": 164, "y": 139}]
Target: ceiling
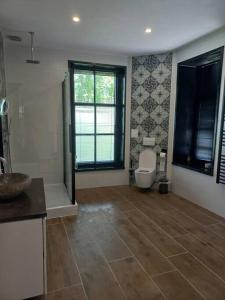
[{"x": 112, "y": 26}]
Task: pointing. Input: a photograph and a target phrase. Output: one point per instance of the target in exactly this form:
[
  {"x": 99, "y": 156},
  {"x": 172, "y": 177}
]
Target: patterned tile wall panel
[{"x": 150, "y": 102}]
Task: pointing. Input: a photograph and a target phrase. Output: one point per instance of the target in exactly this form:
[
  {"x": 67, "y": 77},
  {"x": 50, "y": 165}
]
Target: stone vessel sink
[{"x": 13, "y": 184}]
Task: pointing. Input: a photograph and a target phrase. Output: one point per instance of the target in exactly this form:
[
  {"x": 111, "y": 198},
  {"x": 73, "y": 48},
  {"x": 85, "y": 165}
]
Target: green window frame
[{"x": 97, "y": 105}]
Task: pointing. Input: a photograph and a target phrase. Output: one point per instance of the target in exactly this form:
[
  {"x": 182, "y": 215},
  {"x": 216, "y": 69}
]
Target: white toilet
[{"x": 146, "y": 173}]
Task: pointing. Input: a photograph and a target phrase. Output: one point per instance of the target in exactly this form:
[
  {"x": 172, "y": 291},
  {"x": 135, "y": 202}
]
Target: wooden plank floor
[{"x": 128, "y": 244}]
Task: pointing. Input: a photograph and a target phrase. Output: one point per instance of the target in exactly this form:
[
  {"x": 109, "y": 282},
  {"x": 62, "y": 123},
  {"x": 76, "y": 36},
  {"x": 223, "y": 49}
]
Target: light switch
[{"x": 134, "y": 133}]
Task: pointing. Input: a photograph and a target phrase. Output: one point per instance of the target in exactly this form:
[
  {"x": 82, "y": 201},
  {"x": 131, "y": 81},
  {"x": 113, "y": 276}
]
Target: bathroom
[{"x": 118, "y": 165}]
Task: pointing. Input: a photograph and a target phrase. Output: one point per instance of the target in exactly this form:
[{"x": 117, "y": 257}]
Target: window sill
[
  {"x": 198, "y": 170},
  {"x": 99, "y": 169}
]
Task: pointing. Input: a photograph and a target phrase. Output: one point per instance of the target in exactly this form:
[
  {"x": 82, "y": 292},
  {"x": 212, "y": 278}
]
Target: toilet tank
[{"x": 147, "y": 159}]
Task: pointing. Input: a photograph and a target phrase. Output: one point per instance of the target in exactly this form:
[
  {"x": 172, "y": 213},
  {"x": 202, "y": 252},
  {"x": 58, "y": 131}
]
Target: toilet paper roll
[{"x": 162, "y": 164}]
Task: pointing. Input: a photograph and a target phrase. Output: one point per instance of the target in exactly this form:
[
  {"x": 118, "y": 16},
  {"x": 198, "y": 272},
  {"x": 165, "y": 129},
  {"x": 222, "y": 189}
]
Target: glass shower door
[{"x": 69, "y": 178}]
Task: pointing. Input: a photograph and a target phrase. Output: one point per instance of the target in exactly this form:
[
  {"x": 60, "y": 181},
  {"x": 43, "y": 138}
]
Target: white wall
[
  {"x": 34, "y": 93},
  {"x": 196, "y": 187}
]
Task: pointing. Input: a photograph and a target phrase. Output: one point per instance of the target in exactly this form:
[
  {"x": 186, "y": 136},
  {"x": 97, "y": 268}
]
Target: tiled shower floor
[{"x": 56, "y": 195}]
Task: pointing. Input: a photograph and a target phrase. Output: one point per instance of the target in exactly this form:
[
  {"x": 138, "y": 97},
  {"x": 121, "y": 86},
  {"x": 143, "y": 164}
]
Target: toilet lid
[{"x": 147, "y": 159}]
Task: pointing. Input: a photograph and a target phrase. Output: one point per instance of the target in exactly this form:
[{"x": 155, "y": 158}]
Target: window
[
  {"x": 98, "y": 94},
  {"x": 198, "y": 93}
]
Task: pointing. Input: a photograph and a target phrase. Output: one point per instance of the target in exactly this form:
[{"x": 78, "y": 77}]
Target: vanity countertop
[{"x": 28, "y": 205}]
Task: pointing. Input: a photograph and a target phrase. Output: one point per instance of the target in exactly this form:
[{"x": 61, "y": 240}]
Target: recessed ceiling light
[
  {"x": 76, "y": 19},
  {"x": 148, "y": 30}
]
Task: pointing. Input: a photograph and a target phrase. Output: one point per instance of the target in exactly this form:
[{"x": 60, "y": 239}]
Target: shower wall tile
[
  {"x": 150, "y": 101},
  {"x": 2, "y": 69}
]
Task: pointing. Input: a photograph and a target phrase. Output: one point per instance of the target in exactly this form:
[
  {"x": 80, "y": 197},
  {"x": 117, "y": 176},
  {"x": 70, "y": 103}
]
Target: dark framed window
[
  {"x": 198, "y": 93},
  {"x": 98, "y": 115}
]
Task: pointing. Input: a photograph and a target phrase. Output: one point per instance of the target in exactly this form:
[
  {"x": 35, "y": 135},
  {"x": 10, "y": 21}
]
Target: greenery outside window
[{"x": 98, "y": 108}]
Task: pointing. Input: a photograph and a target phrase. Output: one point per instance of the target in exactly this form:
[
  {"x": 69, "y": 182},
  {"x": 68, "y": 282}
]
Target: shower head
[{"x": 32, "y": 60}]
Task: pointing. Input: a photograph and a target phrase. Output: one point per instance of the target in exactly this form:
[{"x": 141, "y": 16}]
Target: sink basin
[{"x": 13, "y": 184}]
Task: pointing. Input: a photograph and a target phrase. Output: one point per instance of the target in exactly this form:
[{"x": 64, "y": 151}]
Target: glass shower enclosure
[{"x": 68, "y": 176}]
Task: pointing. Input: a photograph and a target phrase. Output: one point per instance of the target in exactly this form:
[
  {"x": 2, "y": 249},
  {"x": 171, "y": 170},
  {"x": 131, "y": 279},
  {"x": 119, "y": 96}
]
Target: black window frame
[
  {"x": 120, "y": 116},
  {"x": 215, "y": 55}
]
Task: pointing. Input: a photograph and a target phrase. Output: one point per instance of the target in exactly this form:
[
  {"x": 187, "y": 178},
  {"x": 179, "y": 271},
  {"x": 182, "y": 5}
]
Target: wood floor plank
[
  {"x": 205, "y": 253},
  {"x": 97, "y": 278},
  {"x": 199, "y": 208},
  {"x": 109, "y": 241},
  {"x": 95, "y": 227},
  {"x": 113, "y": 247},
  {"x": 152, "y": 261},
  {"x": 205, "y": 281},
  {"x": 175, "y": 287},
  {"x": 70, "y": 293},
  {"x": 162, "y": 202},
  {"x": 199, "y": 216},
  {"x": 196, "y": 212},
  {"x": 219, "y": 229},
  {"x": 158, "y": 237},
  {"x": 54, "y": 221},
  {"x": 61, "y": 269},
  {"x": 208, "y": 236},
  {"x": 119, "y": 201},
  {"x": 87, "y": 195},
  {"x": 135, "y": 283},
  {"x": 183, "y": 220},
  {"x": 76, "y": 225},
  {"x": 99, "y": 283},
  {"x": 164, "y": 221},
  {"x": 88, "y": 254}
]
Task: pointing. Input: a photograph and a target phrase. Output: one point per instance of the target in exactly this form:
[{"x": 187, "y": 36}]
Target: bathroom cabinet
[{"x": 23, "y": 245}]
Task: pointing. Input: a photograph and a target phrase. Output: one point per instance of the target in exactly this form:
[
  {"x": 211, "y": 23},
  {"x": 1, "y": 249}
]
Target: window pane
[
  {"x": 84, "y": 86},
  {"x": 105, "y": 119},
  {"x": 105, "y": 88},
  {"x": 84, "y": 119},
  {"x": 105, "y": 148},
  {"x": 84, "y": 148}
]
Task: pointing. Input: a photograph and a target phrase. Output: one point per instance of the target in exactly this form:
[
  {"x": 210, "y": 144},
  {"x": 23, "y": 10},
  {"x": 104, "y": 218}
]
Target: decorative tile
[
  {"x": 133, "y": 123},
  {"x": 166, "y": 104},
  {"x": 150, "y": 84},
  {"x": 134, "y": 85},
  {"x": 140, "y": 95},
  {"x": 139, "y": 114},
  {"x": 151, "y": 62},
  {"x": 136, "y": 151},
  {"x": 159, "y": 134},
  {"x": 160, "y": 94},
  {"x": 150, "y": 102},
  {"x": 133, "y": 143},
  {"x": 149, "y": 125},
  {"x": 141, "y": 133},
  {"x": 162, "y": 57},
  {"x": 168, "y": 62},
  {"x": 149, "y": 105},
  {"x": 141, "y": 74},
  {"x": 134, "y": 104},
  {"x": 165, "y": 124},
  {"x": 161, "y": 73},
  {"x": 167, "y": 83}
]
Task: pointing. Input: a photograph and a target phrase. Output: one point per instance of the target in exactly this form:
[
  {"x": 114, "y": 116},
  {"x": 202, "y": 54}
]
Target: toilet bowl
[{"x": 146, "y": 173}]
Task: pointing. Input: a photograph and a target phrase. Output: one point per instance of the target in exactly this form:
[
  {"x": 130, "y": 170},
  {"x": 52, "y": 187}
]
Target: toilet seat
[{"x": 144, "y": 170}]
